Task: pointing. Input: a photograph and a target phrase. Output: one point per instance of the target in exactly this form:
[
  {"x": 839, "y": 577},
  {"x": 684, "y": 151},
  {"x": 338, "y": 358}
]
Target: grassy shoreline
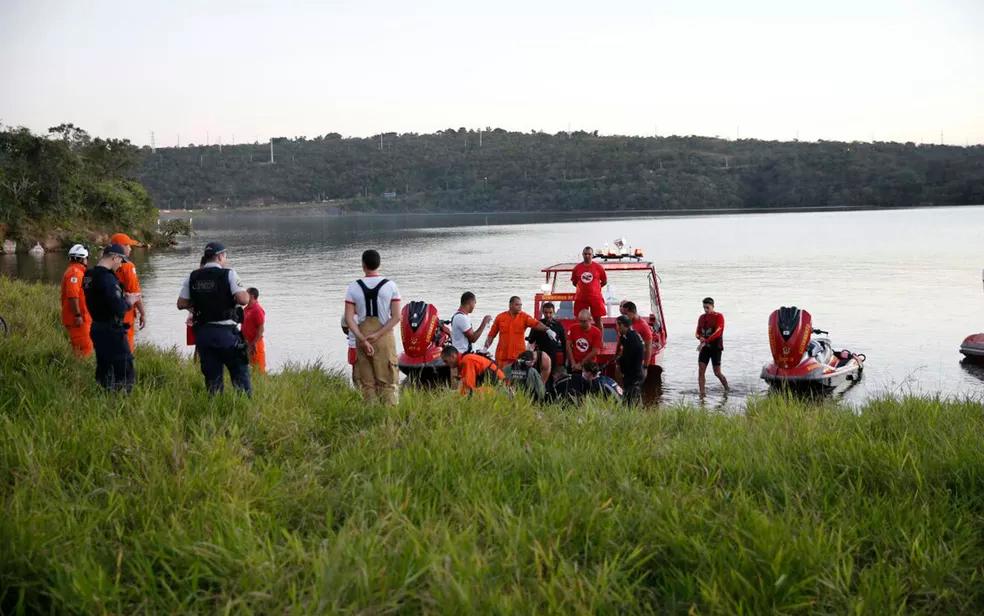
[{"x": 305, "y": 500}]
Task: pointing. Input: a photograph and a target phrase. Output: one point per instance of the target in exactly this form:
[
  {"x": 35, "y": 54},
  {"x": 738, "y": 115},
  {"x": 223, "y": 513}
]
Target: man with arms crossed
[
  {"x": 372, "y": 310},
  {"x": 710, "y": 332}
]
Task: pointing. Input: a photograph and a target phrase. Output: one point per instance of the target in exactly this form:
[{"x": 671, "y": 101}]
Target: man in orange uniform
[
  {"x": 512, "y": 325},
  {"x": 75, "y": 316},
  {"x": 127, "y": 275},
  {"x": 583, "y": 341},
  {"x": 474, "y": 370},
  {"x": 588, "y": 277},
  {"x": 254, "y": 324}
]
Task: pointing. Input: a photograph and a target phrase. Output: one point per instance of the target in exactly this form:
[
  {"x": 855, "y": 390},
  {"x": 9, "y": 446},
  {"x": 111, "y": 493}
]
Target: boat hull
[{"x": 973, "y": 348}]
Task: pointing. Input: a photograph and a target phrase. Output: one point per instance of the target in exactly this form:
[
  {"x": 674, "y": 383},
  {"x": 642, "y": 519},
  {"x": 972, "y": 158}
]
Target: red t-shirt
[
  {"x": 643, "y": 329},
  {"x": 253, "y": 317},
  {"x": 588, "y": 280},
  {"x": 582, "y": 341},
  {"x": 707, "y": 324}
]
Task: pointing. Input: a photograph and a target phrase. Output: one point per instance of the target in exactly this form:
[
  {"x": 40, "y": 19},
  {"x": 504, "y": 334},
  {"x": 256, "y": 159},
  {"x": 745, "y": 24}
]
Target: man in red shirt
[
  {"x": 710, "y": 332},
  {"x": 254, "y": 323},
  {"x": 588, "y": 277},
  {"x": 641, "y": 326},
  {"x": 75, "y": 316},
  {"x": 583, "y": 340}
]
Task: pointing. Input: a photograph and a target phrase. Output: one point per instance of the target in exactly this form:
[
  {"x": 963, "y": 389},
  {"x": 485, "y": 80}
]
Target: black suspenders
[{"x": 372, "y": 297}]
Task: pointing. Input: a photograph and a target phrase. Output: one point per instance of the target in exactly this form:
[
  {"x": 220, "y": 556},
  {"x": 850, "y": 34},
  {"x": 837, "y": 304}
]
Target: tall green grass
[{"x": 304, "y": 499}]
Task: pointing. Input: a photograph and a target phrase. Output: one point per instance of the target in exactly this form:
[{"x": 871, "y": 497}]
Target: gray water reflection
[{"x": 901, "y": 286}]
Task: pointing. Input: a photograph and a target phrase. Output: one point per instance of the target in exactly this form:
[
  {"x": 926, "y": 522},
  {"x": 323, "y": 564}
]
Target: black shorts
[{"x": 711, "y": 355}]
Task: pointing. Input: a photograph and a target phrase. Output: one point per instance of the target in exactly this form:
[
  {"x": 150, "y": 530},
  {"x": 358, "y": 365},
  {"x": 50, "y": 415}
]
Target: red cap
[{"x": 123, "y": 240}]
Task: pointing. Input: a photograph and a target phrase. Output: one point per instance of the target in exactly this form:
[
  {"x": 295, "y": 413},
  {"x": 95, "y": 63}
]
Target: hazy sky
[{"x": 824, "y": 69}]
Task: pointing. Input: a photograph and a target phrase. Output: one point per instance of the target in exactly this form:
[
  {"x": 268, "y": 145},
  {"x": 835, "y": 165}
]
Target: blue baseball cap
[
  {"x": 115, "y": 250},
  {"x": 214, "y": 248}
]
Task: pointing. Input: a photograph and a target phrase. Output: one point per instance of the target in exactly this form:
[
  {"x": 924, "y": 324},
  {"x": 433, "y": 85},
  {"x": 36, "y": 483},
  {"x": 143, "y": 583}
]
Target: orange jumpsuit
[
  {"x": 512, "y": 335},
  {"x": 127, "y": 275},
  {"x": 71, "y": 288},
  {"x": 474, "y": 370}
]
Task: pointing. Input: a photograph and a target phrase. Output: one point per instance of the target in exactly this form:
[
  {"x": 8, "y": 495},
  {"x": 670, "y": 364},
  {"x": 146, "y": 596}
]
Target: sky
[{"x": 243, "y": 71}]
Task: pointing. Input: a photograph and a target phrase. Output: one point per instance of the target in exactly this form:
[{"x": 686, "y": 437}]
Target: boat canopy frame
[{"x": 628, "y": 264}]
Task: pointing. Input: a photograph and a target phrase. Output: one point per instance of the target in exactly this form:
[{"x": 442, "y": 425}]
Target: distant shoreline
[{"x": 335, "y": 211}]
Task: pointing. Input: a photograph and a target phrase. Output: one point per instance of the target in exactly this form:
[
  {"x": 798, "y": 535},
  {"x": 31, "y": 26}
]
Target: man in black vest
[
  {"x": 107, "y": 304},
  {"x": 213, "y": 293}
]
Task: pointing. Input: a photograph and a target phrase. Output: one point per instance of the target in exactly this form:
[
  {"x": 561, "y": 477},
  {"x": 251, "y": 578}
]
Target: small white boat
[{"x": 37, "y": 250}]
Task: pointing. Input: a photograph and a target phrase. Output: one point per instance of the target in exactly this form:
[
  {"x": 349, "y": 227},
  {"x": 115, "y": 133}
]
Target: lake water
[{"x": 902, "y": 286}]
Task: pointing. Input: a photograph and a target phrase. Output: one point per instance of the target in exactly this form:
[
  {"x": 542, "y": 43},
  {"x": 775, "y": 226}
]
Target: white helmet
[{"x": 78, "y": 251}]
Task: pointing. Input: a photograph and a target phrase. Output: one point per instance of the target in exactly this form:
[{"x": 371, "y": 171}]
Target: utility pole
[
  {"x": 271, "y": 150},
  {"x": 153, "y": 143},
  {"x": 479, "y": 136},
  {"x": 380, "y": 142},
  {"x": 220, "y": 144}
]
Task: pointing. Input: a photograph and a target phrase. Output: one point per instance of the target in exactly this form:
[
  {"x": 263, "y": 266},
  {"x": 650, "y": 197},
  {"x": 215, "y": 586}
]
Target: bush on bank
[{"x": 303, "y": 499}]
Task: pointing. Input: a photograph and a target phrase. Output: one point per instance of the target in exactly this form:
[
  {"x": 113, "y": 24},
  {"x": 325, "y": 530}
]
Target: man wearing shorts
[
  {"x": 588, "y": 277},
  {"x": 710, "y": 332}
]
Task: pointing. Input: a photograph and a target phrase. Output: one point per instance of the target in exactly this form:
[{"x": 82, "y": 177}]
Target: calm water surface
[{"x": 902, "y": 286}]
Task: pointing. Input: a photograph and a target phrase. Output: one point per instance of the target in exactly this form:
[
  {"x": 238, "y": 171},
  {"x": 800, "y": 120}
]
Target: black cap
[
  {"x": 214, "y": 248},
  {"x": 115, "y": 250},
  {"x": 624, "y": 321}
]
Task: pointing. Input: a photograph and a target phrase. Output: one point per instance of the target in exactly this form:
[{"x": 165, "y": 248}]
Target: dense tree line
[
  {"x": 67, "y": 185},
  {"x": 466, "y": 170}
]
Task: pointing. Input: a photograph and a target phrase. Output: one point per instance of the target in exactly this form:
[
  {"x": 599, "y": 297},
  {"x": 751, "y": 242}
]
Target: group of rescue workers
[
  {"x": 102, "y": 307},
  {"x": 548, "y": 362}
]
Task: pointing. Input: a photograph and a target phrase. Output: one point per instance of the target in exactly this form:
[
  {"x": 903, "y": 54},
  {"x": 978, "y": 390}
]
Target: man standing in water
[
  {"x": 710, "y": 332},
  {"x": 588, "y": 277},
  {"x": 372, "y": 310}
]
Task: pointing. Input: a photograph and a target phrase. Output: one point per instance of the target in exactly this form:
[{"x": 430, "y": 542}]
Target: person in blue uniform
[
  {"x": 108, "y": 306},
  {"x": 213, "y": 293}
]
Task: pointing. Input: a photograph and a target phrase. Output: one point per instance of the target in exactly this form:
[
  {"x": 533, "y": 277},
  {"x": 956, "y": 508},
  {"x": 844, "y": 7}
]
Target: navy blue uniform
[
  {"x": 107, "y": 305},
  {"x": 211, "y": 291}
]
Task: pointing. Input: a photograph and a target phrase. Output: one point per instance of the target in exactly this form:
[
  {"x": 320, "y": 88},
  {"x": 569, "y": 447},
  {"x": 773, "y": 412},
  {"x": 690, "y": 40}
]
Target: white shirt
[
  {"x": 460, "y": 323},
  {"x": 387, "y": 294},
  {"x": 235, "y": 285}
]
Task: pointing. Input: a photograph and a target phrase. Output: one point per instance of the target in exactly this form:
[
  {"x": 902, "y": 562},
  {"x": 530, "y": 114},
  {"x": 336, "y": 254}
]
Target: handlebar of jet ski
[{"x": 820, "y": 331}]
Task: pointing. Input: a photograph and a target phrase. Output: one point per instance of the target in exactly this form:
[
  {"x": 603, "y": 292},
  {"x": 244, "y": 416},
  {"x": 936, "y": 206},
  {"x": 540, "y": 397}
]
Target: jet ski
[
  {"x": 973, "y": 348},
  {"x": 803, "y": 358},
  {"x": 424, "y": 336}
]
